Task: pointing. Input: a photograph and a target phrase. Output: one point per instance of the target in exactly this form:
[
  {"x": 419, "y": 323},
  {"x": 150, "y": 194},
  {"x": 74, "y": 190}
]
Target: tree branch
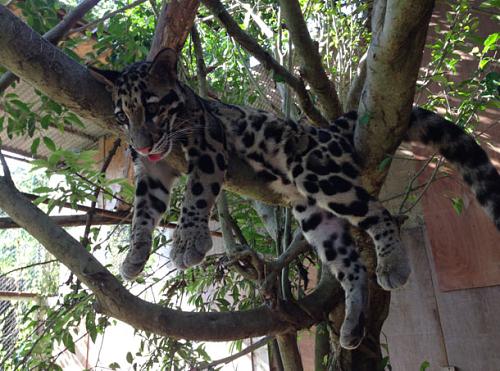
[
  {"x": 264, "y": 57},
  {"x": 393, "y": 61},
  {"x": 175, "y": 22},
  {"x": 209, "y": 366},
  {"x": 114, "y": 300},
  {"x": 55, "y": 35},
  {"x": 312, "y": 68}
]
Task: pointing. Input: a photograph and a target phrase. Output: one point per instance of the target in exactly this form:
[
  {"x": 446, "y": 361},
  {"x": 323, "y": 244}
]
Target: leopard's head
[{"x": 147, "y": 100}]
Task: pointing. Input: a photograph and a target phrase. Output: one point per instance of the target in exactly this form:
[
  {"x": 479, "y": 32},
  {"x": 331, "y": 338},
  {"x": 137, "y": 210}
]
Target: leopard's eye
[
  {"x": 121, "y": 117},
  {"x": 152, "y": 108}
]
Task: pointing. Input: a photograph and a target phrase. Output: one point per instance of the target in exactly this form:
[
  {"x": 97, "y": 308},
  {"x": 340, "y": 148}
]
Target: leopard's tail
[{"x": 463, "y": 152}]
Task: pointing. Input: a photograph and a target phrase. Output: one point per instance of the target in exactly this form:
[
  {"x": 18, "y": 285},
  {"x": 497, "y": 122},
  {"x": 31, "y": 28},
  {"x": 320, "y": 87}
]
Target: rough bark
[
  {"x": 399, "y": 30},
  {"x": 174, "y": 25},
  {"x": 114, "y": 300},
  {"x": 289, "y": 351}
]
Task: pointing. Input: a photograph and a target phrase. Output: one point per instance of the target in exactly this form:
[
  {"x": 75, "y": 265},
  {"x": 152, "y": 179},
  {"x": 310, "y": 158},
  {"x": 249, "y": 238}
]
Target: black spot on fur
[
  {"x": 221, "y": 163},
  {"x": 197, "y": 189},
  {"x": 206, "y": 164},
  {"x": 335, "y": 149},
  {"x": 300, "y": 208},
  {"x": 142, "y": 188},
  {"x": 273, "y": 131},
  {"x": 201, "y": 204},
  {"x": 168, "y": 99},
  {"x": 330, "y": 252},
  {"x": 240, "y": 127},
  {"x": 154, "y": 184},
  {"x": 297, "y": 170},
  {"x": 215, "y": 188},
  {"x": 266, "y": 176},
  {"x": 312, "y": 222},
  {"x": 349, "y": 170},
  {"x": 355, "y": 208},
  {"x": 339, "y": 184},
  {"x": 352, "y": 115},
  {"x": 216, "y": 132},
  {"x": 368, "y": 222},
  {"x": 157, "y": 204},
  {"x": 258, "y": 121},
  {"x": 342, "y": 123},
  {"x": 248, "y": 139},
  {"x": 324, "y": 136},
  {"x": 311, "y": 187}
]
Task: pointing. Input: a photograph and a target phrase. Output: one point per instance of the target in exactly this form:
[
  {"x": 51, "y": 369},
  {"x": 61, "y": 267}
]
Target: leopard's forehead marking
[{"x": 131, "y": 87}]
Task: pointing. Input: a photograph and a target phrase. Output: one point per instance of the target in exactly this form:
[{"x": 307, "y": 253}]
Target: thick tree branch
[
  {"x": 174, "y": 25},
  {"x": 55, "y": 34},
  {"x": 251, "y": 46},
  {"x": 114, "y": 300},
  {"x": 354, "y": 94},
  {"x": 48, "y": 69},
  {"x": 393, "y": 61},
  {"x": 312, "y": 68}
]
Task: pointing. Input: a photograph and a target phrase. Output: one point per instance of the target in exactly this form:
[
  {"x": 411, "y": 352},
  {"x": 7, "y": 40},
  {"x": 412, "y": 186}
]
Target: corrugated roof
[{"x": 72, "y": 137}]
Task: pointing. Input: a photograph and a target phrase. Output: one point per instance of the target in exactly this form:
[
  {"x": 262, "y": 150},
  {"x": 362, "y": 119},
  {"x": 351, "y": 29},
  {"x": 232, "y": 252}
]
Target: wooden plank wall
[{"x": 458, "y": 328}]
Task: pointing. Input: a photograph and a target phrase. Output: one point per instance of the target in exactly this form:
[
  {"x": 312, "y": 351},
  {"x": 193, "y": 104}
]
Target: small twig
[
  {"x": 412, "y": 180},
  {"x": 27, "y": 266},
  {"x": 427, "y": 185},
  {"x": 232, "y": 357},
  {"x": 107, "y": 16},
  {"x": 412, "y": 189},
  {"x": 104, "y": 167}
]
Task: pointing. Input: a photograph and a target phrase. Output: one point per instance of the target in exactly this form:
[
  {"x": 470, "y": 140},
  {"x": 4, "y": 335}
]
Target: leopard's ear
[
  {"x": 108, "y": 78},
  {"x": 164, "y": 65}
]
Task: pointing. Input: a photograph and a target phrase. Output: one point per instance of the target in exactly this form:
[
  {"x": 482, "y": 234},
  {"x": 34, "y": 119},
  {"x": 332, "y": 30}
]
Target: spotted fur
[{"x": 314, "y": 168}]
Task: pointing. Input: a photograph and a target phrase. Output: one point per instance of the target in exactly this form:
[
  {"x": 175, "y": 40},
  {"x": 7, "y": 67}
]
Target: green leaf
[
  {"x": 90, "y": 325},
  {"x": 130, "y": 357},
  {"x": 425, "y": 365},
  {"x": 384, "y": 163},
  {"x": 458, "y": 204},
  {"x": 45, "y": 121},
  {"x": 68, "y": 342},
  {"x": 278, "y": 78},
  {"x": 42, "y": 189},
  {"x": 34, "y": 145},
  {"x": 365, "y": 119},
  {"x": 49, "y": 143}
]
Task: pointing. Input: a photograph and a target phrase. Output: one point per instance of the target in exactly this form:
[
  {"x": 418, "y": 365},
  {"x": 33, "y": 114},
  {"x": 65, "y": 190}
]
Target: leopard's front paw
[
  {"x": 190, "y": 246},
  {"x": 136, "y": 259}
]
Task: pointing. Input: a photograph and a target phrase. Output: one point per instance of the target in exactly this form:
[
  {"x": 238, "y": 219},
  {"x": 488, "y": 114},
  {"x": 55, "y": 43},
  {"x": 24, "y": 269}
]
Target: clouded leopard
[{"x": 314, "y": 168}]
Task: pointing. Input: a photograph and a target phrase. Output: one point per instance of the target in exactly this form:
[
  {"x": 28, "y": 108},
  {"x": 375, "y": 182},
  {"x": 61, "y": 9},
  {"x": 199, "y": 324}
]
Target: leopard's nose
[{"x": 144, "y": 150}]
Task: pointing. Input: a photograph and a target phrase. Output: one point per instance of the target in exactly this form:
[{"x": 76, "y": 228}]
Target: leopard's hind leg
[{"x": 332, "y": 240}]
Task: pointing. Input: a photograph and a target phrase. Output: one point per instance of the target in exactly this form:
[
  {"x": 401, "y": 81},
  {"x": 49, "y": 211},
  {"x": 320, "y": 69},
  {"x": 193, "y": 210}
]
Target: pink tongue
[{"x": 154, "y": 158}]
